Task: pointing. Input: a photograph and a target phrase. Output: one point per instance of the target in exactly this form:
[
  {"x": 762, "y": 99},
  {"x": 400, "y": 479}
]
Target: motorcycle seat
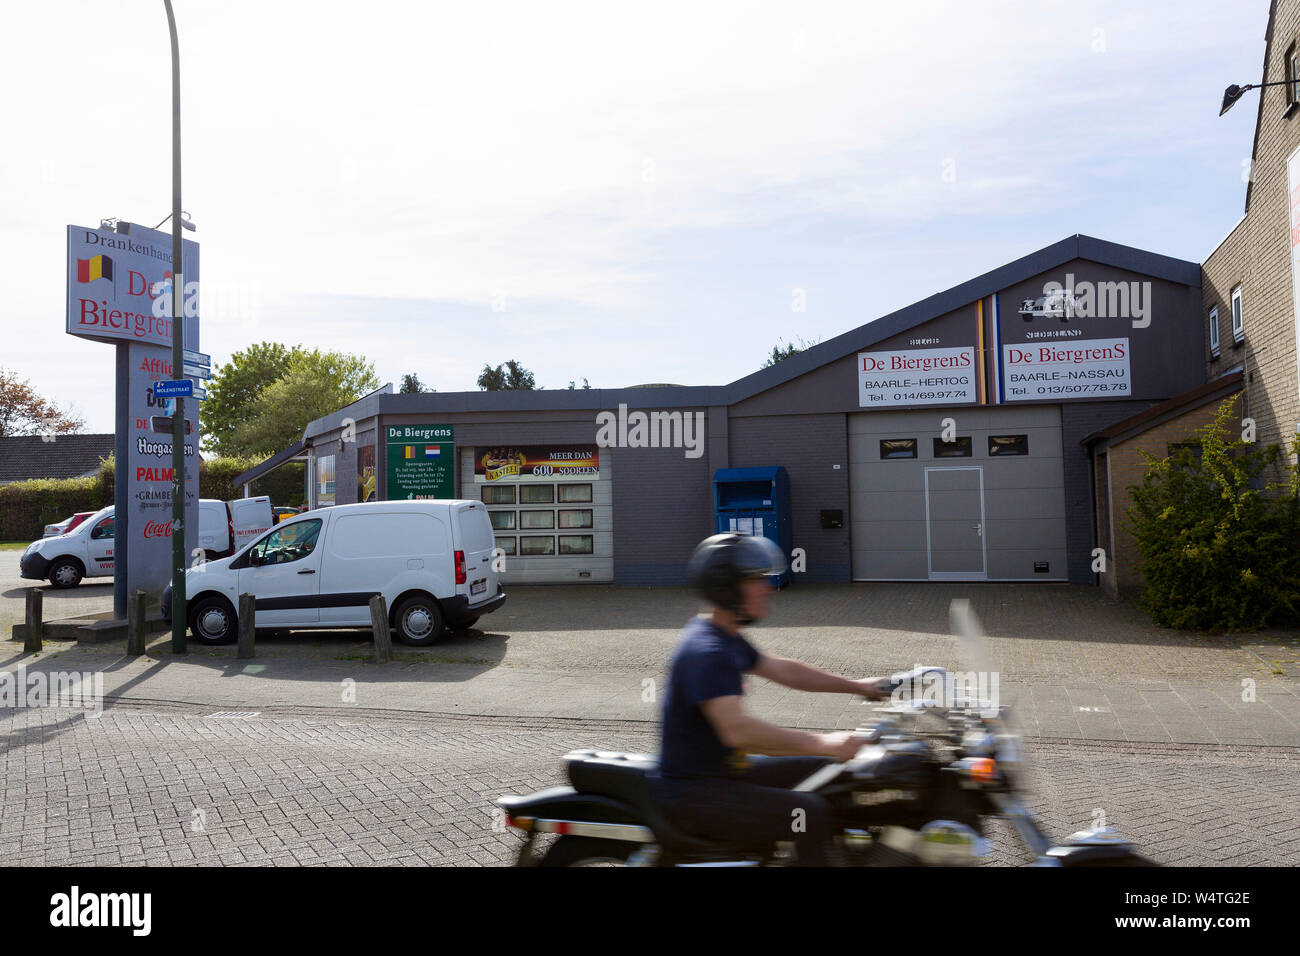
[{"x": 624, "y": 777}]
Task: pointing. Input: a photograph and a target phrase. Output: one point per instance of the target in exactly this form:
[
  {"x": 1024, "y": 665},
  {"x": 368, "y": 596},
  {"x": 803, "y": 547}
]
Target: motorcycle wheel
[{"x": 586, "y": 851}]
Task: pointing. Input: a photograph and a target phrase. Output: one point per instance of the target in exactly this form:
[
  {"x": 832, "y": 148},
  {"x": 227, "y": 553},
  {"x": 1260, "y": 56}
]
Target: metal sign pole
[{"x": 178, "y": 609}]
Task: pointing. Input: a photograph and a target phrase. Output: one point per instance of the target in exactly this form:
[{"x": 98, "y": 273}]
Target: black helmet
[{"x": 721, "y": 561}]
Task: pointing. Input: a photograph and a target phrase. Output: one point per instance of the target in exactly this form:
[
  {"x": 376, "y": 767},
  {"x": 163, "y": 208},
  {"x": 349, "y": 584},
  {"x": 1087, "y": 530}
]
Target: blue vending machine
[{"x": 755, "y": 501}]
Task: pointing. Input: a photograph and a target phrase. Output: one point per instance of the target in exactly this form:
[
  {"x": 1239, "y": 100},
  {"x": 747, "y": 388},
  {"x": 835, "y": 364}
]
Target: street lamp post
[{"x": 178, "y": 609}]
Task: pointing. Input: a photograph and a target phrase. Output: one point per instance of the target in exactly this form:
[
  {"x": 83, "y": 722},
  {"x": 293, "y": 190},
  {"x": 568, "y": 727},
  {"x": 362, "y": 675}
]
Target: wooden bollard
[
  {"x": 247, "y": 612},
  {"x": 35, "y": 626},
  {"x": 136, "y": 626},
  {"x": 379, "y": 625}
]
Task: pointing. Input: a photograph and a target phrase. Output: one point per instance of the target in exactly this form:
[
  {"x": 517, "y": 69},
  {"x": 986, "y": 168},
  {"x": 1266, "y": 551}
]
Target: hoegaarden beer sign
[{"x": 421, "y": 462}]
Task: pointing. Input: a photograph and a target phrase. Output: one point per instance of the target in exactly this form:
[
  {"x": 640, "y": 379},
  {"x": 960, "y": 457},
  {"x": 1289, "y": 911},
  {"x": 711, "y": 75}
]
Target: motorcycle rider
[{"x": 709, "y": 781}]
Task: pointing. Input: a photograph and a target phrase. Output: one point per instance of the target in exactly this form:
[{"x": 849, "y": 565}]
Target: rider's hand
[
  {"x": 873, "y": 688},
  {"x": 843, "y": 745}
]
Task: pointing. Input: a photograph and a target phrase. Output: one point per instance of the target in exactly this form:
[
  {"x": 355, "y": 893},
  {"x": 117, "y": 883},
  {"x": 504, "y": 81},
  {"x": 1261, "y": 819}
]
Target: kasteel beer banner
[
  {"x": 421, "y": 462},
  {"x": 537, "y": 463}
]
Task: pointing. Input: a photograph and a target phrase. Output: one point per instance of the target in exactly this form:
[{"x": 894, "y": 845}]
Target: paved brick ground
[
  {"x": 174, "y": 786},
  {"x": 1075, "y": 664}
]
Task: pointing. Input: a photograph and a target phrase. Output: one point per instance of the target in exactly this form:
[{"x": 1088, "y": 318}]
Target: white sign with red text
[
  {"x": 917, "y": 377},
  {"x": 114, "y": 279},
  {"x": 1043, "y": 371}
]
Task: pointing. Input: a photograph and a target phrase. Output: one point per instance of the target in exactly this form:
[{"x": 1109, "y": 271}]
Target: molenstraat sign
[
  {"x": 1079, "y": 368},
  {"x": 917, "y": 377}
]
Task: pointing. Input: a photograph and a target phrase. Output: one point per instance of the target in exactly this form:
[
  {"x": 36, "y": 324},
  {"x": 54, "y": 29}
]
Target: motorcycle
[{"x": 931, "y": 773}]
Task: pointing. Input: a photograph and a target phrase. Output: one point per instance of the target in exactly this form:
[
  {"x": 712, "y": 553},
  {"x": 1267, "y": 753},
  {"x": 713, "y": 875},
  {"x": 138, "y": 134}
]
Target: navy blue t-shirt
[{"x": 708, "y": 663}]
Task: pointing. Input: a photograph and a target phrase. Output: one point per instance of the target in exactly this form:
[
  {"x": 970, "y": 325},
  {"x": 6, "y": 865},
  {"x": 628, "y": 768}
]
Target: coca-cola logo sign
[{"x": 157, "y": 529}]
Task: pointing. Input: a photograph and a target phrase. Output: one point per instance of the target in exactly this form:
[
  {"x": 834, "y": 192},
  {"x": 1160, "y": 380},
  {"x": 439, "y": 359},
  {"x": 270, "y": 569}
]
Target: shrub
[{"x": 1219, "y": 543}]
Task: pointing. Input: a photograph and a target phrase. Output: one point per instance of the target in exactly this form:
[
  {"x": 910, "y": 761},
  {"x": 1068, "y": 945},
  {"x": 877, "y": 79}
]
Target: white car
[
  {"x": 431, "y": 560},
  {"x": 87, "y": 550}
]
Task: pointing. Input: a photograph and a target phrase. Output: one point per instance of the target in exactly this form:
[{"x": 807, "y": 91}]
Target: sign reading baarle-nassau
[
  {"x": 421, "y": 461},
  {"x": 1077, "y": 369},
  {"x": 917, "y": 377}
]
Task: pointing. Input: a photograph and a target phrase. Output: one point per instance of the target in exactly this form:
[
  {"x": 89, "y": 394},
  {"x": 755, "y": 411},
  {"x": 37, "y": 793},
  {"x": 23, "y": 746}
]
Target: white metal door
[{"x": 954, "y": 523}]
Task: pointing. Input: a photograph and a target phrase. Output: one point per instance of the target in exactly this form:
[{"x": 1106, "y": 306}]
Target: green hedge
[
  {"x": 1220, "y": 543},
  {"x": 26, "y": 507}
]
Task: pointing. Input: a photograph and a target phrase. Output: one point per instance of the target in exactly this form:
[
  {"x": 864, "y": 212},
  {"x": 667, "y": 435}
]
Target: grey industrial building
[{"x": 941, "y": 442}]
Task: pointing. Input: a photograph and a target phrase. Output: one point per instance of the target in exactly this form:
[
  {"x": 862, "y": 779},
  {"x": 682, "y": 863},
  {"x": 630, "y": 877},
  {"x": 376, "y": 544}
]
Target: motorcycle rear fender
[{"x": 566, "y": 804}]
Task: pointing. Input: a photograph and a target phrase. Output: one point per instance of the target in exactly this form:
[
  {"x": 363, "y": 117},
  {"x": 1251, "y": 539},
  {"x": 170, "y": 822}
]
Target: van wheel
[
  {"x": 418, "y": 621},
  {"x": 212, "y": 620},
  {"x": 66, "y": 573}
]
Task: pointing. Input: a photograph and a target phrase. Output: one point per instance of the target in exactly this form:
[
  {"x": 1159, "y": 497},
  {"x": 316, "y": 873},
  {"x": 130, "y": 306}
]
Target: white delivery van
[
  {"x": 226, "y": 526},
  {"x": 84, "y": 552},
  {"x": 431, "y": 560},
  {"x": 87, "y": 550}
]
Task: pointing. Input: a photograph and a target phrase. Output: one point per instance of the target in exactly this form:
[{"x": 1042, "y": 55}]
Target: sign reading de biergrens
[
  {"x": 1080, "y": 368},
  {"x": 917, "y": 377},
  {"x": 115, "y": 278},
  {"x": 421, "y": 461}
]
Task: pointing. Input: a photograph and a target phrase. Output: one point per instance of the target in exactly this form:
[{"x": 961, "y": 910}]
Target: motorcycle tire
[{"x": 586, "y": 851}]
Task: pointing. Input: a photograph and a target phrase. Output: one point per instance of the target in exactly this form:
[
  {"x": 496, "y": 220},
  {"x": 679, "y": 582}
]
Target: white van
[
  {"x": 87, "y": 550},
  {"x": 226, "y": 526},
  {"x": 431, "y": 560}
]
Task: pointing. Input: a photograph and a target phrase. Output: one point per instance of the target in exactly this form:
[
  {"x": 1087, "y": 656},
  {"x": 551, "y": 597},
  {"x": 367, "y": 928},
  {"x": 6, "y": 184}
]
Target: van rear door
[
  {"x": 249, "y": 517},
  {"x": 474, "y": 544}
]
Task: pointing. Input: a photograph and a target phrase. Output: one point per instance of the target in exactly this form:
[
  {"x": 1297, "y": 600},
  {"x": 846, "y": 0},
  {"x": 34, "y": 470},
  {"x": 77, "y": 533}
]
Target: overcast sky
[{"x": 623, "y": 192}]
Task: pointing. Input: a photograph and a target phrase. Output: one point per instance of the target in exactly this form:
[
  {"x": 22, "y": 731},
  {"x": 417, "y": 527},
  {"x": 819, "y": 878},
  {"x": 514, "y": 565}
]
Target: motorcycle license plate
[{"x": 478, "y": 587}]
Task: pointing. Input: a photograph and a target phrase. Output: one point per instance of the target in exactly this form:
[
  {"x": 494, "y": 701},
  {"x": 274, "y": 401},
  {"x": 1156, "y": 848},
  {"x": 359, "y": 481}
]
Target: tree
[
  {"x": 316, "y": 384},
  {"x": 24, "y": 412},
  {"x": 508, "y": 377},
  {"x": 411, "y": 385},
  {"x": 234, "y": 388},
  {"x": 585, "y": 385},
  {"x": 782, "y": 352}
]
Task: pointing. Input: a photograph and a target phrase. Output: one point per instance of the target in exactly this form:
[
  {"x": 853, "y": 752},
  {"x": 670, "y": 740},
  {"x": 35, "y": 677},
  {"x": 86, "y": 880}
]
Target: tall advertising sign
[{"x": 114, "y": 282}]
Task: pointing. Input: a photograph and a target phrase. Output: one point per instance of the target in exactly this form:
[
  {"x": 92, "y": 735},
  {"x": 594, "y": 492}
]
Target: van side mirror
[{"x": 254, "y": 559}]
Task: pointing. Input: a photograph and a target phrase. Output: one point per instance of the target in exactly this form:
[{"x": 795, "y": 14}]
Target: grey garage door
[{"x": 996, "y": 514}]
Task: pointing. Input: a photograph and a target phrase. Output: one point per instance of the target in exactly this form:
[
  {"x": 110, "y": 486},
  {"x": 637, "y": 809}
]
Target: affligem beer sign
[{"x": 421, "y": 461}]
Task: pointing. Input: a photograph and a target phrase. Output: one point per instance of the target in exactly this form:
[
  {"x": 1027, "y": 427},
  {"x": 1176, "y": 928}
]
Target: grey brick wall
[
  {"x": 1257, "y": 254},
  {"x": 808, "y": 446}
]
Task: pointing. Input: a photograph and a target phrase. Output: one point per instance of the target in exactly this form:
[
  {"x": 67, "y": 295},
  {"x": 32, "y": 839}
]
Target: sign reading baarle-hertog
[
  {"x": 421, "y": 462},
  {"x": 419, "y": 433}
]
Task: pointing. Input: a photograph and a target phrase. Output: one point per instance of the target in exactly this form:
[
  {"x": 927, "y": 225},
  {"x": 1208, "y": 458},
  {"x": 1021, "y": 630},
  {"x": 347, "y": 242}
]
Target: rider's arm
[
  {"x": 740, "y": 731},
  {"x": 799, "y": 676}
]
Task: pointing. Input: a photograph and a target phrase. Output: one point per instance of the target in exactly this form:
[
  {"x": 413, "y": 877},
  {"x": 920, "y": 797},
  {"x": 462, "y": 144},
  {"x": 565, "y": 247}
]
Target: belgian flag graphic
[{"x": 96, "y": 267}]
